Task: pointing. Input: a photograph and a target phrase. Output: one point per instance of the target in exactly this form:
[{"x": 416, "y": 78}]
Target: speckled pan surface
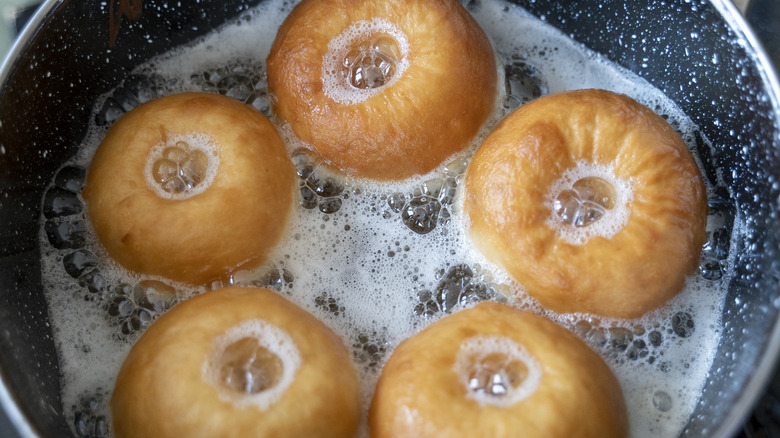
[{"x": 694, "y": 51}]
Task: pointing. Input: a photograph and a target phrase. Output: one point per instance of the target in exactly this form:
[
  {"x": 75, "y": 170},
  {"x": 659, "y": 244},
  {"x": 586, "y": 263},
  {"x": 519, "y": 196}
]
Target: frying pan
[{"x": 700, "y": 53}]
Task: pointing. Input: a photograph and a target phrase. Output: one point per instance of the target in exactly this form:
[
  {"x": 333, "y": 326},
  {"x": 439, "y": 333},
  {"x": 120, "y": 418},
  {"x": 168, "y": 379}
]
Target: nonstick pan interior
[{"x": 696, "y": 52}]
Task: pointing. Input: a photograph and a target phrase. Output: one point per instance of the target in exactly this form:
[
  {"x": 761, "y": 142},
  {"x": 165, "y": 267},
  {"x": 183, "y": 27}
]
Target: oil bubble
[
  {"x": 59, "y": 202},
  {"x": 330, "y": 205},
  {"x": 77, "y": 262},
  {"x": 682, "y": 324},
  {"x": 71, "y": 178},
  {"x": 328, "y": 303},
  {"x": 369, "y": 350},
  {"x": 308, "y": 198},
  {"x": 88, "y": 421},
  {"x": 421, "y": 214},
  {"x": 396, "y": 202},
  {"x": 662, "y": 401},
  {"x": 66, "y": 234},
  {"x": 523, "y": 83}
]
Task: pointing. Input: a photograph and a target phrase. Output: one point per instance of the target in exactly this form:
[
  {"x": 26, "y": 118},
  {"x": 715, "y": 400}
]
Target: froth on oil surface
[{"x": 375, "y": 262}]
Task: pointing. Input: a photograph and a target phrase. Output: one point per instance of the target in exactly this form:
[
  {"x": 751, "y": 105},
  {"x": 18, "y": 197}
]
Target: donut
[
  {"x": 382, "y": 89},
  {"x": 591, "y": 201},
  {"x": 496, "y": 371},
  {"x": 192, "y": 187},
  {"x": 236, "y": 362}
]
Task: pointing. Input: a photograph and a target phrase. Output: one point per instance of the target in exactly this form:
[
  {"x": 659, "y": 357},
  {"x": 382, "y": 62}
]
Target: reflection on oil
[{"x": 117, "y": 9}]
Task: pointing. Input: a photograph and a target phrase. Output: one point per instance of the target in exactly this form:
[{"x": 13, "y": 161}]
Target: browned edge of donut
[{"x": 635, "y": 271}]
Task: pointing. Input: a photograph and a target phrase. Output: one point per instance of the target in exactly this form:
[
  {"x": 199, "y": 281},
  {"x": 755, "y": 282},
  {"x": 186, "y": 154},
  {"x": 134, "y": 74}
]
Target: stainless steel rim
[
  {"x": 7, "y": 402},
  {"x": 757, "y": 381}
]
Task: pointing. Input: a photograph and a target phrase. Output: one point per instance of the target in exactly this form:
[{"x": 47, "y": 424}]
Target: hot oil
[{"x": 375, "y": 262}]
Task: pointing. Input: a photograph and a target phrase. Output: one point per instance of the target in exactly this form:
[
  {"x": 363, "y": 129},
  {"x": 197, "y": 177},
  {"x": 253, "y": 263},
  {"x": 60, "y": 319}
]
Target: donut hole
[
  {"x": 372, "y": 62},
  {"x": 496, "y": 370},
  {"x": 364, "y": 59},
  {"x": 252, "y": 363},
  {"x": 182, "y": 166},
  {"x": 586, "y": 202},
  {"x": 496, "y": 374},
  {"x": 248, "y": 367}
]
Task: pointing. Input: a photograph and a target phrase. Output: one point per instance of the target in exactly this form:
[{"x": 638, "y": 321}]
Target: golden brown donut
[
  {"x": 496, "y": 371},
  {"x": 624, "y": 264},
  {"x": 148, "y": 219},
  {"x": 433, "y": 77},
  {"x": 174, "y": 382}
]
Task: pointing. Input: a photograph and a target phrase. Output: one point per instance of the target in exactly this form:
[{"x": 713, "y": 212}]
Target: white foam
[
  {"x": 613, "y": 219},
  {"x": 473, "y": 351},
  {"x": 196, "y": 141},
  {"x": 334, "y": 84},
  {"x": 268, "y": 336}
]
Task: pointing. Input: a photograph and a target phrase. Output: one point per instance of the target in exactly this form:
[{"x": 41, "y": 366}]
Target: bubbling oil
[
  {"x": 372, "y": 63},
  {"x": 365, "y": 58},
  {"x": 375, "y": 262},
  {"x": 252, "y": 364},
  {"x": 588, "y": 200},
  {"x": 496, "y": 370},
  {"x": 182, "y": 166}
]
